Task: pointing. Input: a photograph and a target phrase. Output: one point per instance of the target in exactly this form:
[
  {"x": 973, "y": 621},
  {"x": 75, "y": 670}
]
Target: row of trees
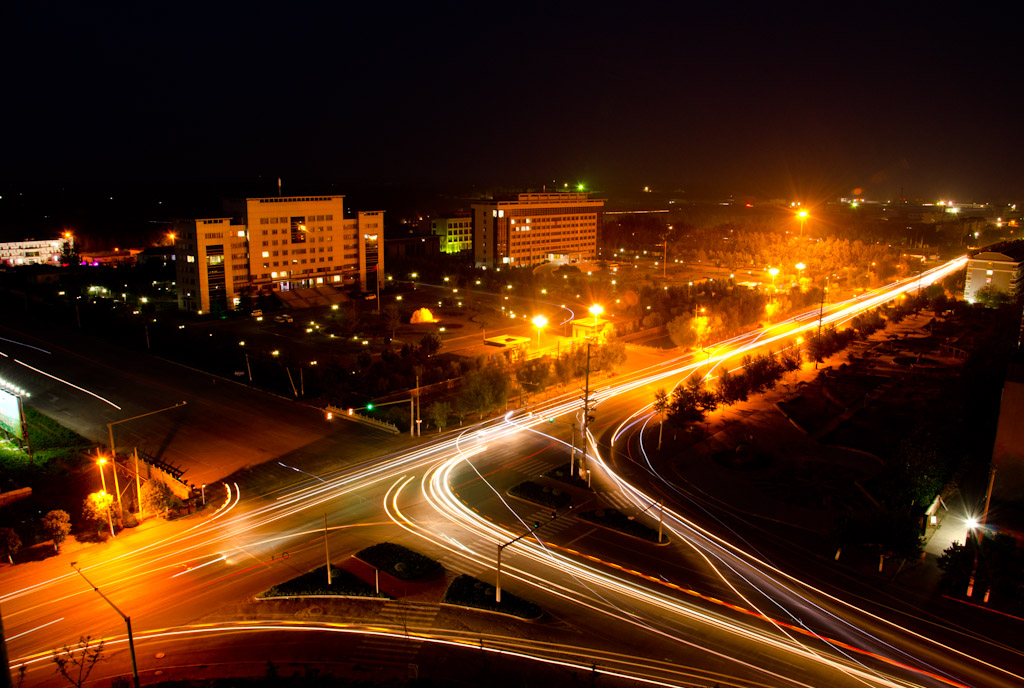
[
  {"x": 97, "y": 512},
  {"x": 489, "y": 385},
  {"x": 690, "y": 402}
]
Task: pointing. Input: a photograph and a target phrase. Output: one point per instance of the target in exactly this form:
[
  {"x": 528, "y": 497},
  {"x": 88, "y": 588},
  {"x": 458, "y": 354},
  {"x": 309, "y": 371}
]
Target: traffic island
[
  {"x": 564, "y": 476},
  {"x": 542, "y": 495},
  {"x": 466, "y": 591},
  {"x": 613, "y": 519},
  {"x": 400, "y": 562},
  {"x": 314, "y": 584}
]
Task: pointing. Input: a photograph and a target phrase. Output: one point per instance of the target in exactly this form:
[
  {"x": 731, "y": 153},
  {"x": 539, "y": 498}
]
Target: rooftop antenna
[{"x": 279, "y": 186}]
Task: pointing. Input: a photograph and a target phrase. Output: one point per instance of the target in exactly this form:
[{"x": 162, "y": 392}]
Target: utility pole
[
  {"x": 586, "y": 415},
  {"x": 138, "y": 484},
  {"x": 821, "y": 316},
  {"x": 327, "y": 552},
  {"x": 419, "y": 432},
  {"x": 127, "y": 620}
]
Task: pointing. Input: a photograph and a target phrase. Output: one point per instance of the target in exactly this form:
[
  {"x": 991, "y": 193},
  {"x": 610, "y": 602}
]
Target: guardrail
[{"x": 365, "y": 420}]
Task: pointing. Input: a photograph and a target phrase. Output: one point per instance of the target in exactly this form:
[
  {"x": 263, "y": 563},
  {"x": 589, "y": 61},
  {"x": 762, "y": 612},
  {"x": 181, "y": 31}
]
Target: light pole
[
  {"x": 540, "y": 321},
  {"x": 572, "y": 451},
  {"x": 127, "y": 621},
  {"x": 802, "y": 216},
  {"x": 800, "y": 267},
  {"x": 596, "y": 310},
  {"x": 773, "y": 272}
]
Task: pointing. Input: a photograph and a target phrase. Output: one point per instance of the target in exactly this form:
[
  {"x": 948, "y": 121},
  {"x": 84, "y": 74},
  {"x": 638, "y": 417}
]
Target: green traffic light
[{"x": 369, "y": 407}]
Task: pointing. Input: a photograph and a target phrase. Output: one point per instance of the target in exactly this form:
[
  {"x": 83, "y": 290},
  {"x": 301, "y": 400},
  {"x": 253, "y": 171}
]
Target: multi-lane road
[{"x": 703, "y": 610}]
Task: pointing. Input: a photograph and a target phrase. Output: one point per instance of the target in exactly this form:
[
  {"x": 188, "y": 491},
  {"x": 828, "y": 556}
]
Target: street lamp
[
  {"x": 127, "y": 621},
  {"x": 802, "y": 216},
  {"x": 773, "y": 272},
  {"x": 100, "y": 463},
  {"x": 597, "y": 310},
  {"x": 539, "y": 322}
]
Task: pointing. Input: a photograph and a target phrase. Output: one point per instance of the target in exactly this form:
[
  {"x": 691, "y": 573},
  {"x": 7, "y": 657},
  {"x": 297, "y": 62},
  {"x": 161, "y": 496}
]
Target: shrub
[
  {"x": 467, "y": 591},
  {"x": 400, "y": 562},
  {"x": 343, "y": 583},
  {"x": 538, "y": 494},
  {"x": 616, "y": 520},
  {"x": 157, "y": 497}
]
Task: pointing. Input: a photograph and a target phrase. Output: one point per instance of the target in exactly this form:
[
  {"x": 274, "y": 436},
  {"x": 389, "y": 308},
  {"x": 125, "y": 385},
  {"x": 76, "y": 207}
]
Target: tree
[
  {"x": 69, "y": 253},
  {"x": 157, "y": 497},
  {"x": 439, "y": 412},
  {"x": 76, "y": 663},
  {"x": 430, "y": 343},
  {"x": 610, "y": 355},
  {"x": 10, "y": 543},
  {"x": 991, "y": 297},
  {"x": 660, "y": 406},
  {"x": 393, "y": 317},
  {"x": 681, "y": 331},
  {"x": 56, "y": 525},
  {"x": 96, "y": 509}
]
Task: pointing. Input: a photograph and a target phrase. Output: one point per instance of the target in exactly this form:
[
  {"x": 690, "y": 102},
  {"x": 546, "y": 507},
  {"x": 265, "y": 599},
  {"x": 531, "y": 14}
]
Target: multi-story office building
[
  {"x": 456, "y": 232},
  {"x": 1001, "y": 269},
  {"x": 30, "y": 252},
  {"x": 276, "y": 244},
  {"x": 536, "y": 227}
]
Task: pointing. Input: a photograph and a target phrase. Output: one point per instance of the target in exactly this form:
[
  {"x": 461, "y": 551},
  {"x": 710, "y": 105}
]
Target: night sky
[{"x": 779, "y": 102}]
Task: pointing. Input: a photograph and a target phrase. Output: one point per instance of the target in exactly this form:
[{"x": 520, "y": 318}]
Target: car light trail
[{"x": 69, "y": 384}]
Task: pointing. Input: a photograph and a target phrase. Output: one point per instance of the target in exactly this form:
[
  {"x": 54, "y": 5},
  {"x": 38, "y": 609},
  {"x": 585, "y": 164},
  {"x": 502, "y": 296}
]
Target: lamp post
[
  {"x": 802, "y": 216},
  {"x": 539, "y": 322},
  {"x": 596, "y": 310},
  {"x": 773, "y": 272},
  {"x": 127, "y": 621},
  {"x": 100, "y": 462},
  {"x": 801, "y": 267}
]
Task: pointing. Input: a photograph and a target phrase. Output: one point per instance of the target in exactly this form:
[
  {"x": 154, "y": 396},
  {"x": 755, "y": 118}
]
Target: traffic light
[
  {"x": 536, "y": 525},
  {"x": 554, "y": 515},
  {"x": 551, "y": 420},
  {"x": 369, "y": 407}
]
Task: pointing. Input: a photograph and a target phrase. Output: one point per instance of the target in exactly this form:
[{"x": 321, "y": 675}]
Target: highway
[{"x": 748, "y": 624}]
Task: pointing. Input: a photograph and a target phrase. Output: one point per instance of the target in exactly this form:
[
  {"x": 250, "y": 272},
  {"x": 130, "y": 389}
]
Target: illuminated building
[
  {"x": 456, "y": 232},
  {"x": 276, "y": 244},
  {"x": 31, "y": 252},
  {"x": 1000, "y": 269},
  {"x": 536, "y": 227}
]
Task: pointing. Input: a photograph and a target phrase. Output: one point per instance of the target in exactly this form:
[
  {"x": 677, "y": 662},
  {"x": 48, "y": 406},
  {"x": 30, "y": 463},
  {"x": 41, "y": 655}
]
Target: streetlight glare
[
  {"x": 540, "y": 321},
  {"x": 802, "y": 214},
  {"x": 800, "y": 266},
  {"x": 596, "y": 309}
]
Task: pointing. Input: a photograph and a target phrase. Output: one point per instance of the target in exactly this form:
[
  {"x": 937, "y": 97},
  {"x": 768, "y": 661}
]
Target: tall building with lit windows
[
  {"x": 536, "y": 227},
  {"x": 272, "y": 244}
]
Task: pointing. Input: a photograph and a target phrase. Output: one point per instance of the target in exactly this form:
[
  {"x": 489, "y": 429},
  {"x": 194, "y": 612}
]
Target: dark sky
[{"x": 780, "y": 101}]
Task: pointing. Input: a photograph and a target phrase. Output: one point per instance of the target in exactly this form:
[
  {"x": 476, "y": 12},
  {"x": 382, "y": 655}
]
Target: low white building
[{"x": 31, "y": 252}]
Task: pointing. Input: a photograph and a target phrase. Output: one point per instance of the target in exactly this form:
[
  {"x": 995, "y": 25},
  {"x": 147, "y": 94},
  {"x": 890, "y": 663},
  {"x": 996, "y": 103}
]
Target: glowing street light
[
  {"x": 597, "y": 310},
  {"x": 773, "y": 272},
  {"x": 100, "y": 463},
  {"x": 802, "y": 216},
  {"x": 540, "y": 322}
]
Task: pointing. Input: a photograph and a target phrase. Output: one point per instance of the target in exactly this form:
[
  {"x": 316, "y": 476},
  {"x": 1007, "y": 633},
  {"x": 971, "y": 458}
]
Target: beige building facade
[
  {"x": 536, "y": 227},
  {"x": 276, "y": 244},
  {"x": 992, "y": 269}
]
